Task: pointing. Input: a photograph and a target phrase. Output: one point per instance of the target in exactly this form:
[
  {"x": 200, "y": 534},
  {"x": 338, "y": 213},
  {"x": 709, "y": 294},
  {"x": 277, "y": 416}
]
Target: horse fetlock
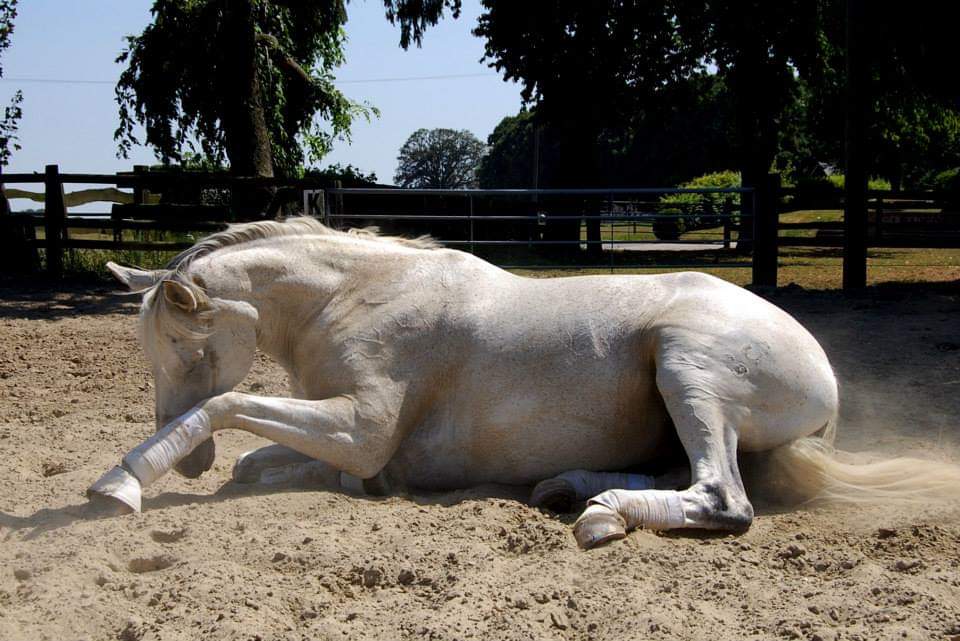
[
  {"x": 713, "y": 506},
  {"x": 597, "y": 526}
]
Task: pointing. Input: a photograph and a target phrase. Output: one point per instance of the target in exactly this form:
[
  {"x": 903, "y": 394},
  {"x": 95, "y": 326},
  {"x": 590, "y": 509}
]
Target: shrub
[
  {"x": 720, "y": 180},
  {"x": 946, "y": 180},
  {"x": 697, "y": 211},
  {"x": 669, "y": 228}
]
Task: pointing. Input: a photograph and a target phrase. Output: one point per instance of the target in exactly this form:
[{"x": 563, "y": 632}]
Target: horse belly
[{"x": 533, "y": 434}]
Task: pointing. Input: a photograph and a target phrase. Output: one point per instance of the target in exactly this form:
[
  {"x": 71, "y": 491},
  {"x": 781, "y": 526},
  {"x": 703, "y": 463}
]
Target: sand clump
[{"x": 210, "y": 559}]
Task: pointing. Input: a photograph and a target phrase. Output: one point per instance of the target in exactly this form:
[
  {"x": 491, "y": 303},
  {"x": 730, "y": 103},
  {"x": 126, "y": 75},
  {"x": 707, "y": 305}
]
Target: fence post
[
  {"x": 766, "y": 219},
  {"x": 727, "y": 209},
  {"x": 855, "y": 149},
  {"x": 472, "y": 247},
  {"x": 54, "y": 220},
  {"x": 321, "y": 206},
  {"x": 337, "y": 207},
  {"x": 139, "y": 191}
]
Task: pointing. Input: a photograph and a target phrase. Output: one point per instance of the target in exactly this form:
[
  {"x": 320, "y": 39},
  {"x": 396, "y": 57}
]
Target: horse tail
[{"x": 810, "y": 469}]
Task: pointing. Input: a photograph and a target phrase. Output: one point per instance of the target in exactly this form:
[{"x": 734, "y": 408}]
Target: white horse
[{"x": 437, "y": 370}]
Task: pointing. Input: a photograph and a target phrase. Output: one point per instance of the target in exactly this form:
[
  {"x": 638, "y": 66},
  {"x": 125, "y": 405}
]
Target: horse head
[{"x": 198, "y": 345}]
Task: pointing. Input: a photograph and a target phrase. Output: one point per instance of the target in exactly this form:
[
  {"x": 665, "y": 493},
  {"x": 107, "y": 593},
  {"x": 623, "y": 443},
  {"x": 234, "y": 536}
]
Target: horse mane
[
  {"x": 239, "y": 234},
  {"x": 156, "y": 310}
]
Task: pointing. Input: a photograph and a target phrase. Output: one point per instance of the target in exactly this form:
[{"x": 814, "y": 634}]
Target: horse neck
[{"x": 288, "y": 282}]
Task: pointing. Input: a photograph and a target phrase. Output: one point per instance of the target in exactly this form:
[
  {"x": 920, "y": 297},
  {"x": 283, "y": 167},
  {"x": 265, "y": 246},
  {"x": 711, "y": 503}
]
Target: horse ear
[
  {"x": 180, "y": 295},
  {"x": 136, "y": 280}
]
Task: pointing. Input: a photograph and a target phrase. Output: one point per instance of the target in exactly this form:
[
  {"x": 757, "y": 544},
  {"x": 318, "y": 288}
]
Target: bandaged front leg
[
  {"x": 158, "y": 454},
  {"x": 560, "y": 492},
  {"x": 153, "y": 458},
  {"x": 611, "y": 514}
]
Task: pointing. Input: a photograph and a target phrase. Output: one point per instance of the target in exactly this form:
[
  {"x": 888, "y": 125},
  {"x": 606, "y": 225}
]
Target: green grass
[
  {"x": 809, "y": 267},
  {"x": 93, "y": 261}
]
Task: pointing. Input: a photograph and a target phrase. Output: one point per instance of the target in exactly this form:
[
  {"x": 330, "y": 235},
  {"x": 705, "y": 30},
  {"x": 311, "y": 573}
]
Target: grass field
[{"x": 809, "y": 267}]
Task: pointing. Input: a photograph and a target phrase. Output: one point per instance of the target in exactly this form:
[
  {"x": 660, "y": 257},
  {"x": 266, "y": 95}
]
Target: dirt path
[{"x": 208, "y": 559}]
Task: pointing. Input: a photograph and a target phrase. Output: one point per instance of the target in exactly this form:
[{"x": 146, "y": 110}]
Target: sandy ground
[{"x": 209, "y": 559}]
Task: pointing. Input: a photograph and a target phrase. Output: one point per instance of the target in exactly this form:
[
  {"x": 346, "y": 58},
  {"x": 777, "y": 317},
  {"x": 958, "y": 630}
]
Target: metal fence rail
[{"x": 594, "y": 220}]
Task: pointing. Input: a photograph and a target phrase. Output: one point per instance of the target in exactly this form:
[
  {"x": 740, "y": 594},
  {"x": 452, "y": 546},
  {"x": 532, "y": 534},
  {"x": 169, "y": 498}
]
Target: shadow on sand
[
  {"x": 40, "y": 299},
  {"x": 47, "y": 520}
]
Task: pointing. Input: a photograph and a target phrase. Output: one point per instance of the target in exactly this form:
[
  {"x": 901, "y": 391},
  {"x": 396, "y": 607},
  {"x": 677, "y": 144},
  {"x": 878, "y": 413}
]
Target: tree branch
[{"x": 285, "y": 58}]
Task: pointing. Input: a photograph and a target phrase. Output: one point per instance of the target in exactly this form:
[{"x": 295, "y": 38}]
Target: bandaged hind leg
[
  {"x": 562, "y": 491},
  {"x": 715, "y": 500}
]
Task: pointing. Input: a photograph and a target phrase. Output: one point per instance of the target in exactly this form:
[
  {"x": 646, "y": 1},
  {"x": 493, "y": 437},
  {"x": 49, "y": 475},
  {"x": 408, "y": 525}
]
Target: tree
[
  {"x": 683, "y": 131},
  {"x": 439, "y": 159},
  {"x": 247, "y": 79},
  {"x": 913, "y": 126},
  {"x": 242, "y": 77},
  {"x": 348, "y": 175},
  {"x": 509, "y": 161},
  {"x": 591, "y": 68},
  {"x": 9, "y": 123}
]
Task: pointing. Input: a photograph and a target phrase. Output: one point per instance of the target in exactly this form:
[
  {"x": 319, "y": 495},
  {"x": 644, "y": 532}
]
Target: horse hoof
[
  {"x": 556, "y": 495},
  {"x": 244, "y": 470},
  {"x": 116, "y": 492},
  {"x": 597, "y": 527}
]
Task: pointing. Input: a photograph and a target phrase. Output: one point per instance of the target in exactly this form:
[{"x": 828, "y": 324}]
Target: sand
[{"x": 210, "y": 559}]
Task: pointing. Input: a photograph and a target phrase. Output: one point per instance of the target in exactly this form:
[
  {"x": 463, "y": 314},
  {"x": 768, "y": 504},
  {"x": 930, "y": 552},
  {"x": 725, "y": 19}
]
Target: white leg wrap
[
  {"x": 120, "y": 485},
  {"x": 158, "y": 454},
  {"x": 587, "y": 484},
  {"x": 649, "y": 509}
]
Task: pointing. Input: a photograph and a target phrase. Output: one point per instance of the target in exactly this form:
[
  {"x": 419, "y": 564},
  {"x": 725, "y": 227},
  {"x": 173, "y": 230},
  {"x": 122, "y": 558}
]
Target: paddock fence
[{"x": 658, "y": 228}]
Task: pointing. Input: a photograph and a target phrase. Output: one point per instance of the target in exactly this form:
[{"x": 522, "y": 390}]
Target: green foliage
[
  {"x": 604, "y": 77},
  {"x": 414, "y": 16},
  {"x": 946, "y": 180},
  {"x": 688, "y": 212},
  {"x": 248, "y": 80},
  {"x": 10, "y": 122},
  {"x": 595, "y": 70},
  {"x": 683, "y": 131},
  {"x": 508, "y": 163},
  {"x": 439, "y": 159},
  {"x": 221, "y": 72},
  {"x": 348, "y": 175},
  {"x": 728, "y": 179}
]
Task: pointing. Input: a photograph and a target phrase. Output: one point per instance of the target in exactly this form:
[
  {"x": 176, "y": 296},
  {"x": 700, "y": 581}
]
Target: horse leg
[
  {"x": 562, "y": 491},
  {"x": 715, "y": 499},
  {"x": 276, "y": 464},
  {"x": 352, "y": 434},
  {"x": 251, "y": 465}
]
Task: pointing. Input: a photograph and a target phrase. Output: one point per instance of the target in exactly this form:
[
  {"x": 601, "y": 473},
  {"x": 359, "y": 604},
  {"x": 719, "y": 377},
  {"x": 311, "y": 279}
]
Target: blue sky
[{"x": 72, "y": 124}]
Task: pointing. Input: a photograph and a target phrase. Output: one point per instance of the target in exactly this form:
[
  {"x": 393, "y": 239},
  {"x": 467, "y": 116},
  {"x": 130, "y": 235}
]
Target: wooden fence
[
  {"x": 145, "y": 207},
  {"x": 920, "y": 219}
]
